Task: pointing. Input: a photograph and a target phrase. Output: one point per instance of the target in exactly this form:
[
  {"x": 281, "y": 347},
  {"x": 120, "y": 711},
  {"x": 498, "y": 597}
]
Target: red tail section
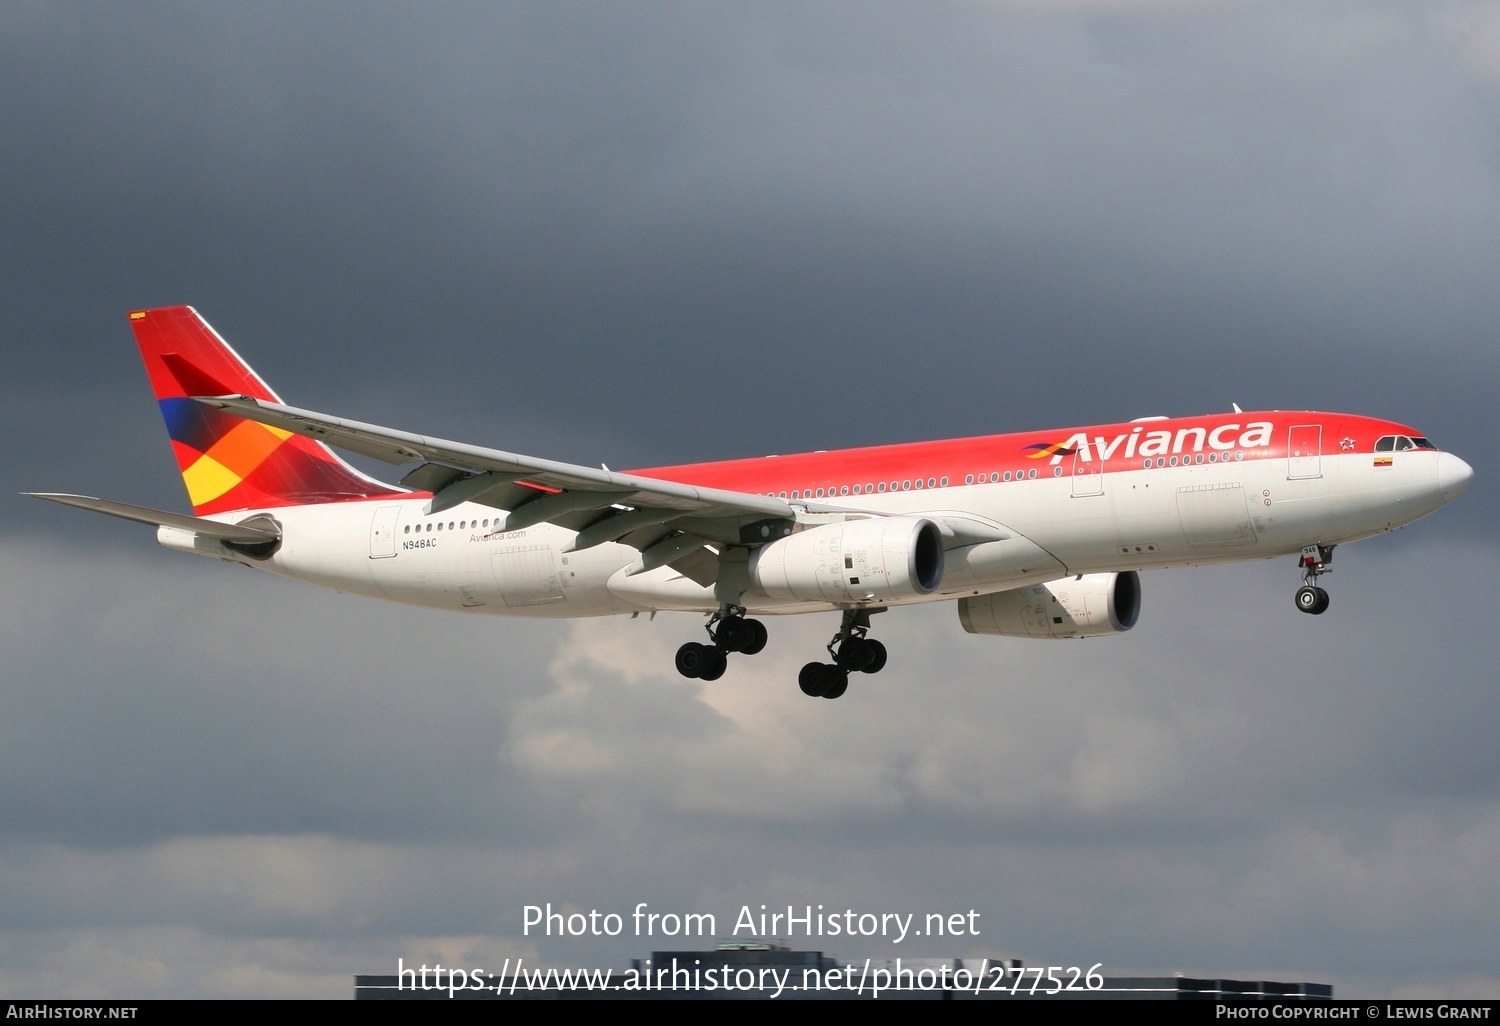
[{"x": 229, "y": 463}]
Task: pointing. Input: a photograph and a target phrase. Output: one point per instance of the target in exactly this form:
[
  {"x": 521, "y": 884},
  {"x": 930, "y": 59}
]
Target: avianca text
[{"x": 1140, "y": 442}]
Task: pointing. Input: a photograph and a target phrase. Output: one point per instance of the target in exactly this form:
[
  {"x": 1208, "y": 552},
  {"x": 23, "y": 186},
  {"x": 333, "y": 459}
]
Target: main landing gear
[
  {"x": 1314, "y": 562},
  {"x": 853, "y": 651},
  {"x": 729, "y": 631}
]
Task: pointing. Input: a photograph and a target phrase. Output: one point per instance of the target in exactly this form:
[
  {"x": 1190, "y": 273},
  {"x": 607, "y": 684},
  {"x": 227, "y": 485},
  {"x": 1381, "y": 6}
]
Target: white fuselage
[{"x": 1061, "y": 523}]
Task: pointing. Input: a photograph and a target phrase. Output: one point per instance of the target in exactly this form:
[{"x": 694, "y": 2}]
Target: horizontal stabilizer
[{"x": 161, "y": 518}]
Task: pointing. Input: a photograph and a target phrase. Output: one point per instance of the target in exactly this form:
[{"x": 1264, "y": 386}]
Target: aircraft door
[
  {"x": 383, "y": 532},
  {"x": 1304, "y": 446},
  {"x": 1088, "y": 475}
]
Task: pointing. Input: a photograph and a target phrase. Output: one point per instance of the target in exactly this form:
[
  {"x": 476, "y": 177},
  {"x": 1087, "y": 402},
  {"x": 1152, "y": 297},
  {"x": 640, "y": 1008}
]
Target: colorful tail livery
[
  {"x": 1035, "y": 535},
  {"x": 229, "y": 463}
]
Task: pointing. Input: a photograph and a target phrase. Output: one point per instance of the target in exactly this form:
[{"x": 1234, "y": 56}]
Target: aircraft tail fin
[{"x": 228, "y": 462}]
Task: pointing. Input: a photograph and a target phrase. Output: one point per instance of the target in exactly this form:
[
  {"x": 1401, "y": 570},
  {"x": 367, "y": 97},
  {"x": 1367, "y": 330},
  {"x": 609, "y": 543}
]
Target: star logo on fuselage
[{"x": 1347, "y": 444}]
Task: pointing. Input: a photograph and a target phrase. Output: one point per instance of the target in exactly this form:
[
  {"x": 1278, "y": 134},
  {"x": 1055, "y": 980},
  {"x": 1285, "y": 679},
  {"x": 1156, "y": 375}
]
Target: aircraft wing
[
  {"x": 669, "y": 522},
  {"x": 601, "y": 505}
]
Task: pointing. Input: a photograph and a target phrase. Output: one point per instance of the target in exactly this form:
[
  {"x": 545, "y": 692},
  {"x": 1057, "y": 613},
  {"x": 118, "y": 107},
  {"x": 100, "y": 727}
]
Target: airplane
[{"x": 1040, "y": 534}]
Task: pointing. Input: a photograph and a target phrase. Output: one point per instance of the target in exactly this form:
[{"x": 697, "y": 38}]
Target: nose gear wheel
[{"x": 1314, "y": 563}]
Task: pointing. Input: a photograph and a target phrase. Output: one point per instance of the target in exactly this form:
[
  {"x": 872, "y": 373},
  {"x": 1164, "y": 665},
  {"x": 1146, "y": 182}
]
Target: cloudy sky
[{"x": 644, "y": 234}]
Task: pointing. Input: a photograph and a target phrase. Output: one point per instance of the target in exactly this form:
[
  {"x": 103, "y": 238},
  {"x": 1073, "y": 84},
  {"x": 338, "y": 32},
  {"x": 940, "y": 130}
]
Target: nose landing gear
[{"x": 1314, "y": 562}]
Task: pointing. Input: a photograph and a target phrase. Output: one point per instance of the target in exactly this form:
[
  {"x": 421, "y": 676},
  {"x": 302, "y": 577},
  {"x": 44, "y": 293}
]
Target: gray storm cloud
[{"x": 652, "y": 234}]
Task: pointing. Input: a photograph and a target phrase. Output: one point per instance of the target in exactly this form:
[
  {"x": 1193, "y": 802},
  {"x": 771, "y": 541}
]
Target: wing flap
[
  {"x": 700, "y": 566},
  {"x": 433, "y": 477}
]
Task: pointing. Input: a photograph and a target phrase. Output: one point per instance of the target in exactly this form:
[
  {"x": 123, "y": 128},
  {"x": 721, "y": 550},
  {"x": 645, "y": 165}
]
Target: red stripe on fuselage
[{"x": 957, "y": 459}]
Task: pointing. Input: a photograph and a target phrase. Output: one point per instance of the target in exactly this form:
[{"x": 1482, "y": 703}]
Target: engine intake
[
  {"x": 1074, "y": 607},
  {"x": 883, "y": 559}
]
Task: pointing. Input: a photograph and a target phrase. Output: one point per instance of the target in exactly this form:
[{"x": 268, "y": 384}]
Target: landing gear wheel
[
  {"x": 758, "y": 635},
  {"x": 852, "y": 648},
  {"x": 1314, "y": 564},
  {"x": 718, "y": 662},
  {"x": 1311, "y": 599},
  {"x": 731, "y": 634},
  {"x": 854, "y": 654},
  {"x": 837, "y": 682},
  {"x": 737, "y": 634},
  {"x": 811, "y": 679},
  {"x": 692, "y": 659}
]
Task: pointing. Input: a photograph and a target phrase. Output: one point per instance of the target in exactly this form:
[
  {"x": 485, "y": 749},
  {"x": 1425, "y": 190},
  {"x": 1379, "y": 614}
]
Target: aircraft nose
[{"x": 1453, "y": 476}]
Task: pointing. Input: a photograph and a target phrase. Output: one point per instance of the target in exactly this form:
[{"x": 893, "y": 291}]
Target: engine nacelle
[
  {"x": 1074, "y": 607},
  {"x": 883, "y": 559}
]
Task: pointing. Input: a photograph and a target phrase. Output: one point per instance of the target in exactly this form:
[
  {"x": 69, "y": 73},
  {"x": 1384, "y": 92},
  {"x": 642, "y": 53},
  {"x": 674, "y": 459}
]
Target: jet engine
[
  {"x": 1088, "y": 606},
  {"x": 883, "y": 559}
]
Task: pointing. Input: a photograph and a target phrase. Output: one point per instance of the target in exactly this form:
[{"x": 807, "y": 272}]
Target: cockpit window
[{"x": 1400, "y": 443}]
